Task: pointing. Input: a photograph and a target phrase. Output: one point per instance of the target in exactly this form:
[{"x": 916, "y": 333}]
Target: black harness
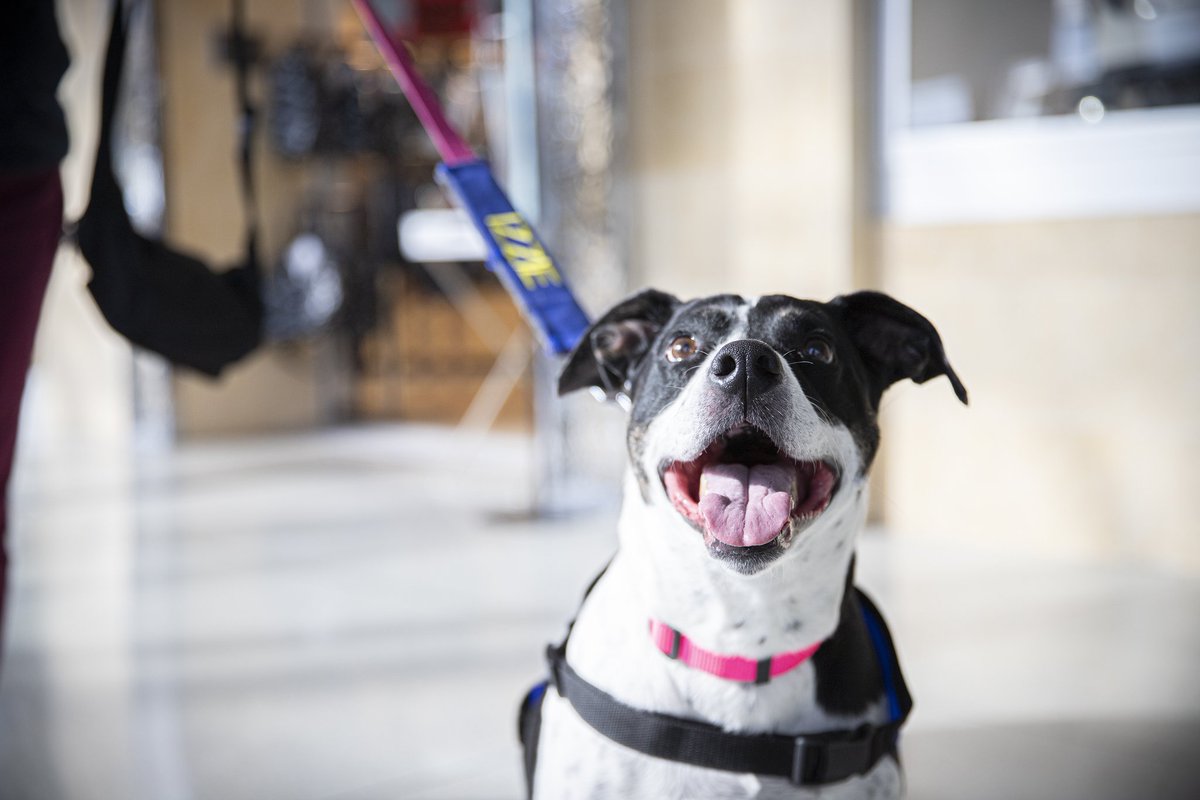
[{"x": 814, "y": 759}]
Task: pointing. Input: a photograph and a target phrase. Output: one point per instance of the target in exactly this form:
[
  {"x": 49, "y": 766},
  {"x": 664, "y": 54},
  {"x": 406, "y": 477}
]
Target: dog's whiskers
[{"x": 825, "y": 415}]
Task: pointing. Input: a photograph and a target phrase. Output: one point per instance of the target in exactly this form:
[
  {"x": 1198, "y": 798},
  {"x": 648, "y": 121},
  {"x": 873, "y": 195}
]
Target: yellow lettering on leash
[{"x": 522, "y": 250}]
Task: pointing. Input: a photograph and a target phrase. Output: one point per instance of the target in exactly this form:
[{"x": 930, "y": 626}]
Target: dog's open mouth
[{"x": 743, "y": 492}]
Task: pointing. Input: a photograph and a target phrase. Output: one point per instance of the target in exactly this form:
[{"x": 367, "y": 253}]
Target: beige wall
[
  {"x": 1079, "y": 342},
  {"x": 741, "y": 146}
]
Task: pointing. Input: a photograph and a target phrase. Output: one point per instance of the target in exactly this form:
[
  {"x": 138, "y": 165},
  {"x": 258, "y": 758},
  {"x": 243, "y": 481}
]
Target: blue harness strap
[
  {"x": 529, "y": 730},
  {"x": 898, "y": 699},
  {"x": 535, "y": 694}
]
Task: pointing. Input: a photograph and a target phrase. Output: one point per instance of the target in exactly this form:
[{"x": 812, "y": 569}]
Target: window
[{"x": 1033, "y": 109}]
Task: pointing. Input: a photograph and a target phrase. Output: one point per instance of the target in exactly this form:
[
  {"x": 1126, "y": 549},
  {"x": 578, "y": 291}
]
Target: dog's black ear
[
  {"x": 894, "y": 341},
  {"x": 612, "y": 348}
]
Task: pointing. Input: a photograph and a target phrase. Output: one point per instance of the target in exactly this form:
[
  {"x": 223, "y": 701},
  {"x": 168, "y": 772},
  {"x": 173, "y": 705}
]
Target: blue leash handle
[{"x": 517, "y": 255}]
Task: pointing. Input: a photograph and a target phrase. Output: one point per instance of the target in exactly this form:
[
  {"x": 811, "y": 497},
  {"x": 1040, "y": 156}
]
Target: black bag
[{"x": 160, "y": 299}]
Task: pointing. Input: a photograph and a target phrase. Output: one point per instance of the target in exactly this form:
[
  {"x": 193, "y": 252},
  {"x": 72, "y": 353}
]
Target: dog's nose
[{"x": 745, "y": 367}]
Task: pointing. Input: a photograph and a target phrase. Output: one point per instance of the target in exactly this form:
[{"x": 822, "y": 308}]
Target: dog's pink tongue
[{"x": 746, "y": 506}]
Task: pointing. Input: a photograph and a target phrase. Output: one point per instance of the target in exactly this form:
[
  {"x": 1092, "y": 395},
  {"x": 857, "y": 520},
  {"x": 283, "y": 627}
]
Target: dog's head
[{"x": 753, "y": 419}]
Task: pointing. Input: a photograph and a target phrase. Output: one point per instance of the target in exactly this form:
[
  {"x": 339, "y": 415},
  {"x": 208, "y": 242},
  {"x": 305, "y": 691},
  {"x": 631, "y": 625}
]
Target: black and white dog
[{"x": 725, "y": 652}]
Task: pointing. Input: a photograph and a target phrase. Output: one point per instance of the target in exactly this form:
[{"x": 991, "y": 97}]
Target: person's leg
[{"x": 30, "y": 225}]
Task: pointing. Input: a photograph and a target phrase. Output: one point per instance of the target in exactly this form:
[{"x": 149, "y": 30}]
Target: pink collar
[{"x": 675, "y": 645}]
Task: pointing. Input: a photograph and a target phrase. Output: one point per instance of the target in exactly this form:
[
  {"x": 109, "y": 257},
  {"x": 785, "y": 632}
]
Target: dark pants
[{"x": 30, "y": 224}]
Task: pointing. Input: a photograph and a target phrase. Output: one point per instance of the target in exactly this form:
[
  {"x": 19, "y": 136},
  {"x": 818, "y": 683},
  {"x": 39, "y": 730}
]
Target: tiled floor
[{"x": 354, "y": 614}]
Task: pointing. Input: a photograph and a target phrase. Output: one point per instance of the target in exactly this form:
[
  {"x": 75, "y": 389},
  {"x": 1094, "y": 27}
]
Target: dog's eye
[
  {"x": 817, "y": 350},
  {"x": 682, "y": 347}
]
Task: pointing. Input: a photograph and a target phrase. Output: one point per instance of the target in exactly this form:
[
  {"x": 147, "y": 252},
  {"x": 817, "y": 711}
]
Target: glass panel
[{"x": 981, "y": 60}]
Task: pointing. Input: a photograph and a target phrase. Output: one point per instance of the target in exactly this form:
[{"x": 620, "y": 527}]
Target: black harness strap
[{"x": 806, "y": 760}]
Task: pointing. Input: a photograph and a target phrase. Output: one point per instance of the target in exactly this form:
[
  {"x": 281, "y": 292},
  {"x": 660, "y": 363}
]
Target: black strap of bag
[
  {"x": 159, "y": 298},
  {"x": 241, "y": 54},
  {"x": 241, "y": 46}
]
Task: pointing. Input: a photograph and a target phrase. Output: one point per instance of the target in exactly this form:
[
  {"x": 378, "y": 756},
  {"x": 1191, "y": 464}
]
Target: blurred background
[{"x": 331, "y": 572}]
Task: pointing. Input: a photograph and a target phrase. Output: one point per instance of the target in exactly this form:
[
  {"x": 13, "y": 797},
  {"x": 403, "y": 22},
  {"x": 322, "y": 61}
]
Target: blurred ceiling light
[
  {"x": 1091, "y": 109},
  {"x": 1144, "y": 9}
]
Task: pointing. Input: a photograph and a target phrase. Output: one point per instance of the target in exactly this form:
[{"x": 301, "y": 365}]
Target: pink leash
[
  {"x": 675, "y": 645},
  {"x": 449, "y": 144}
]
